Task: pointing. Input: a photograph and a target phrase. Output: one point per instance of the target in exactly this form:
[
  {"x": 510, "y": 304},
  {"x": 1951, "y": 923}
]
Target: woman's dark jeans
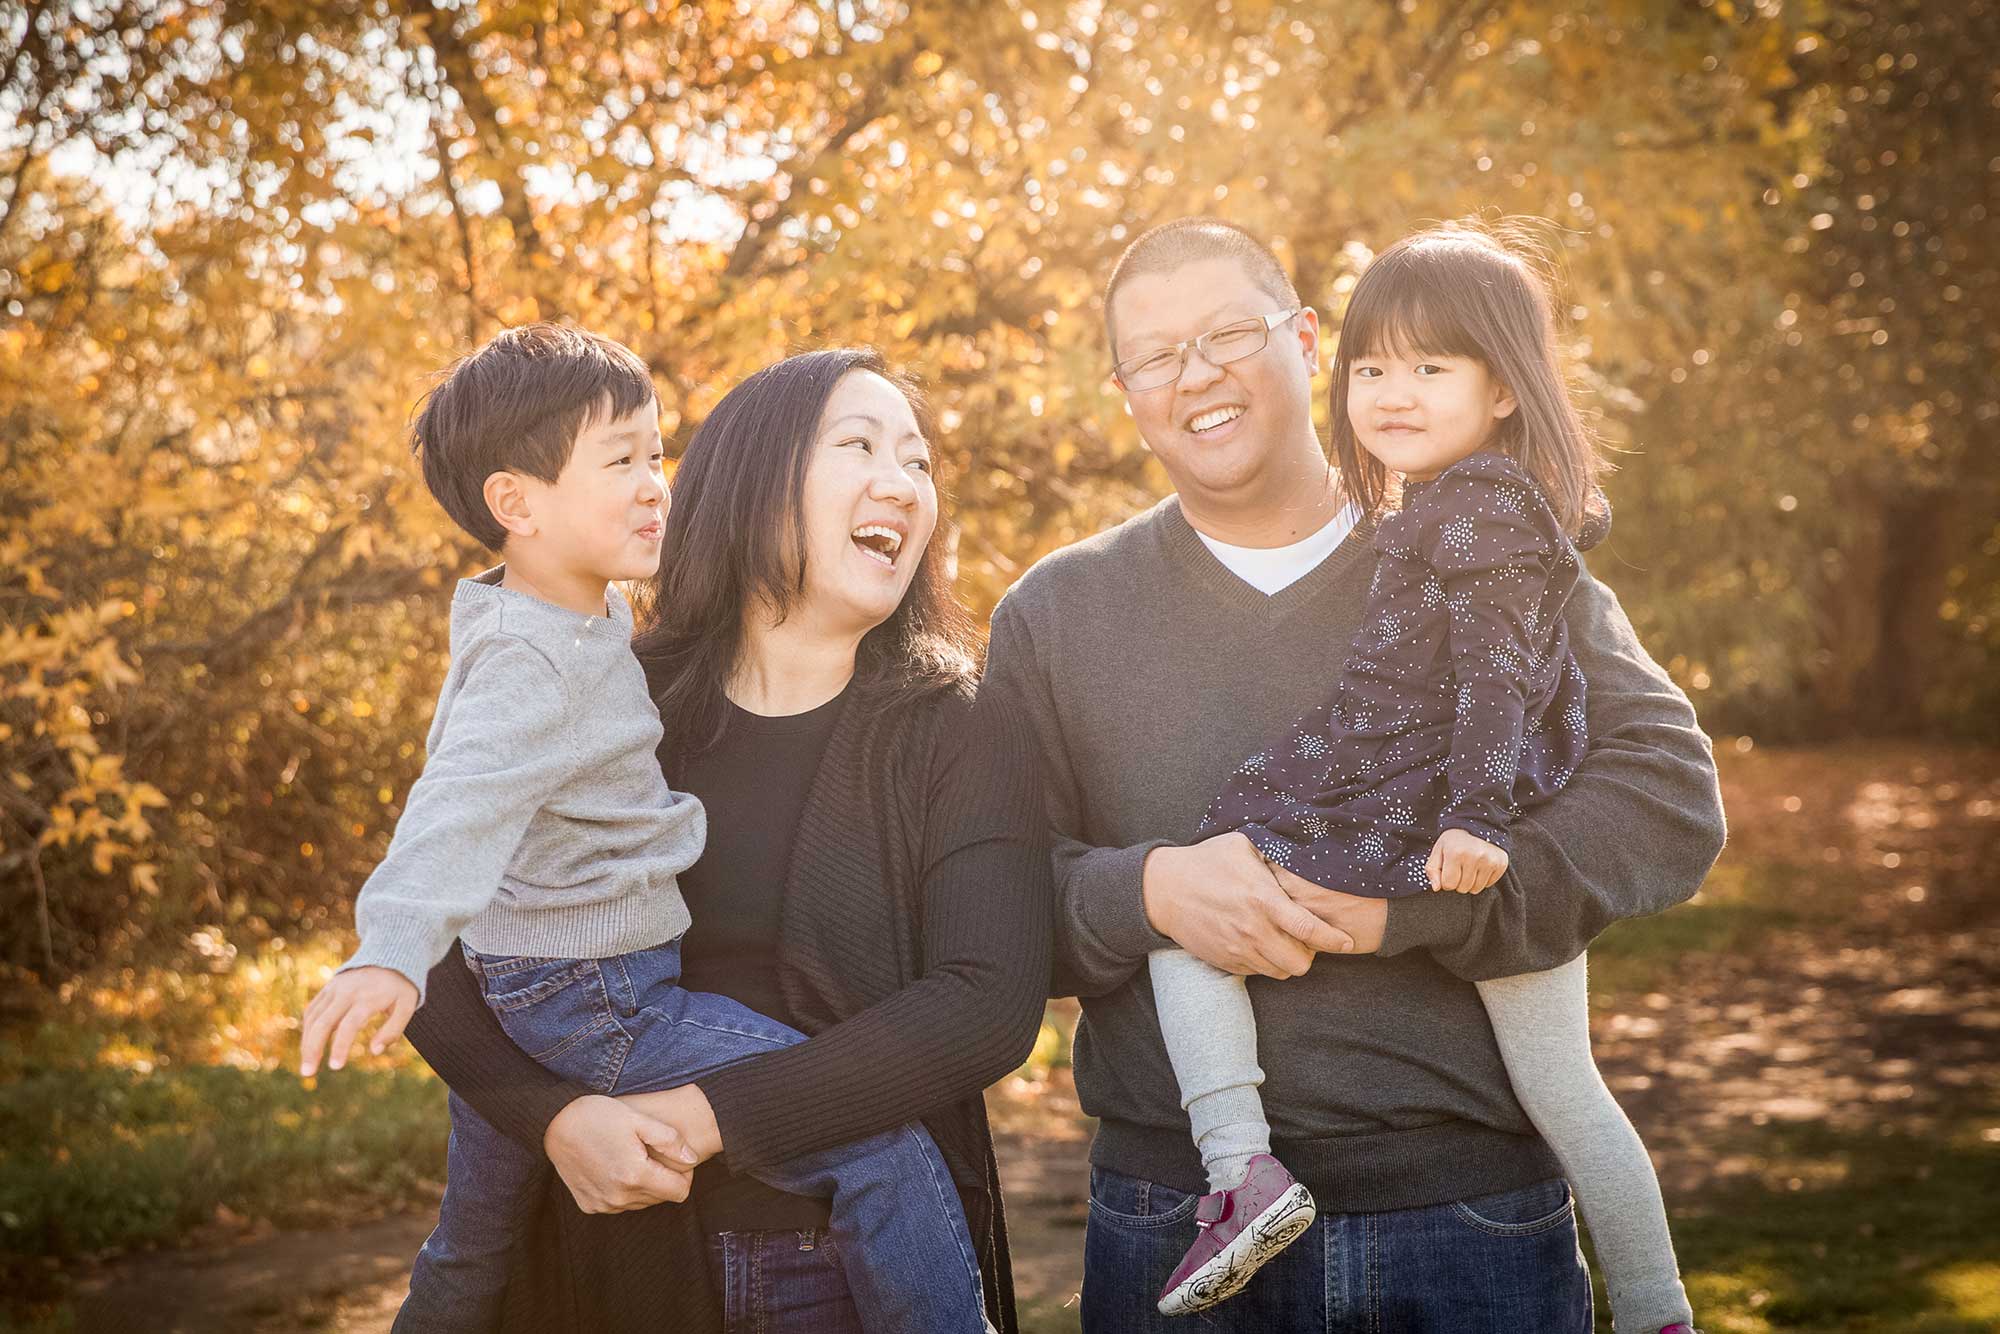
[{"x": 782, "y": 1282}]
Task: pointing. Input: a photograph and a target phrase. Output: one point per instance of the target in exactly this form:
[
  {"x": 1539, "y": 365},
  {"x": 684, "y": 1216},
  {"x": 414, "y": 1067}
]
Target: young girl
[{"x": 1458, "y": 706}]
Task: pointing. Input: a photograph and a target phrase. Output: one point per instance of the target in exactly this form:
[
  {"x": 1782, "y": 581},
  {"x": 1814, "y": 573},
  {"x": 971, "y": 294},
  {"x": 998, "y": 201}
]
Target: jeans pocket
[
  {"x": 550, "y": 1007},
  {"x": 513, "y": 981},
  {"x": 1523, "y": 1212},
  {"x": 1134, "y": 1203}
]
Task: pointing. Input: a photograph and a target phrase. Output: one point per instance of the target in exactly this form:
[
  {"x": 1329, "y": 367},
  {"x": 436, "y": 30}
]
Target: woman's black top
[
  {"x": 753, "y": 784},
  {"x": 913, "y": 947}
]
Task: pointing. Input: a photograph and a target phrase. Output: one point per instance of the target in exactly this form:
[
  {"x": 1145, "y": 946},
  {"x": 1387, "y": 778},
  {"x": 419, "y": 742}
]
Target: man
[{"x": 1157, "y": 656}]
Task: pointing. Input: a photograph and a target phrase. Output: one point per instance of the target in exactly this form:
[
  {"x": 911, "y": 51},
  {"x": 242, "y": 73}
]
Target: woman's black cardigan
[{"x": 914, "y": 951}]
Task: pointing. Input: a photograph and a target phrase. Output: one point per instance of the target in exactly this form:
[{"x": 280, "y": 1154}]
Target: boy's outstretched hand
[
  {"x": 344, "y": 1005},
  {"x": 1465, "y": 862}
]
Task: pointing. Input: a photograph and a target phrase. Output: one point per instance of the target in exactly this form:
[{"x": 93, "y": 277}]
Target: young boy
[{"x": 544, "y": 837}]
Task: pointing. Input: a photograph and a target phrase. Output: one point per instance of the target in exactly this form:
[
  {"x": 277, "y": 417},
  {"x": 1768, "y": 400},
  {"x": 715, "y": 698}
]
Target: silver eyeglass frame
[{"x": 1200, "y": 344}]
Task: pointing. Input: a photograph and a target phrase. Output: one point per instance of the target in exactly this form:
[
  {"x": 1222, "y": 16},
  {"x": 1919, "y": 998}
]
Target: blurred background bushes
[{"x": 236, "y": 241}]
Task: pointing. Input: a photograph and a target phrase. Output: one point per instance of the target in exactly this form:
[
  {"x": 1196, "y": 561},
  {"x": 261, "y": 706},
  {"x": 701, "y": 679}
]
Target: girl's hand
[
  {"x": 345, "y": 1005},
  {"x": 1465, "y": 862},
  {"x": 614, "y": 1159}
]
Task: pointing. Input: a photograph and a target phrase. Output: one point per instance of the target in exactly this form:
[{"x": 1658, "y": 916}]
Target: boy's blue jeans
[
  {"x": 1499, "y": 1264},
  {"x": 625, "y": 1025}
]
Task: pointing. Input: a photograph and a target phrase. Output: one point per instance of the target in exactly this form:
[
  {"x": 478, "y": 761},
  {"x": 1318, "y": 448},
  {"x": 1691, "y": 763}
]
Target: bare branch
[
  {"x": 447, "y": 176},
  {"x": 749, "y": 248},
  {"x": 1442, "y": 46},
  {"x": 455, "y": 61}
]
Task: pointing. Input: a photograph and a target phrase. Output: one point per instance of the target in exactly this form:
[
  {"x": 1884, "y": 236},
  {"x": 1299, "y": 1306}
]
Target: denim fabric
[
  {"x": 624, "y": 1025},
  {"x": 1497, "y": 1264},
  {"x": 782, "y": 1282}
]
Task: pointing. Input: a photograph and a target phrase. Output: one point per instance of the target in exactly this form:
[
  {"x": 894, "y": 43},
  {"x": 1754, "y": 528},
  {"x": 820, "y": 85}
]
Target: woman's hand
[
  {"x": 614, "y": 1158},
  {"x": 685, "y": 1109}
]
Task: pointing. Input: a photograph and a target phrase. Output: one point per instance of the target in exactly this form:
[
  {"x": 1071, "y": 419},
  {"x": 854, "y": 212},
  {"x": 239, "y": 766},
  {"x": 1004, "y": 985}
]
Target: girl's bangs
[{"x": 1403, "y": 306}]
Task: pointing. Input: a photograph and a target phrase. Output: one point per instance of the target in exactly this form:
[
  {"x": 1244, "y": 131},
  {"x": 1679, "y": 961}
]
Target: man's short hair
[
  {"x": 517, "y": 405},
  {"x": 1166, "y": 247}
]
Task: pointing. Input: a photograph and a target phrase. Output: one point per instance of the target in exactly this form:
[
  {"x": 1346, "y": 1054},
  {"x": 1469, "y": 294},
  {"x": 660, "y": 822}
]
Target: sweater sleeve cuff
[
  {"x": 1500, "y": 836},
  {"x": 407, "y": 945},
  {"x": 1427, "y": 921},
  {"x": 1111, "y": 896}
]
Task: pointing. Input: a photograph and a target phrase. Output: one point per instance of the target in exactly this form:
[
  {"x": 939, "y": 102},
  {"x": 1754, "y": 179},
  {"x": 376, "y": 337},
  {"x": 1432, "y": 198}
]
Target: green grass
[
  {"x": 112, "y": 1158},
  {"x": 97, "y": 1159},
  {"x": 1849, "y": 1234},
  {"x": 136, "y": 1104},
  {"x": 1741, "y": 905}
]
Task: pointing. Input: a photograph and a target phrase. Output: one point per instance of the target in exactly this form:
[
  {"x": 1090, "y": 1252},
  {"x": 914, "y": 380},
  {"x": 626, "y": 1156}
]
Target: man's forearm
[
  {"x": 1634, "y": 832},
  {"x": 1102, "y": 933}
]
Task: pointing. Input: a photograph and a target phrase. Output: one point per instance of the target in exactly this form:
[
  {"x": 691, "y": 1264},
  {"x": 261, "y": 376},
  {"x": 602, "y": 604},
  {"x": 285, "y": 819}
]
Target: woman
[{"x": 876, "y": 875}]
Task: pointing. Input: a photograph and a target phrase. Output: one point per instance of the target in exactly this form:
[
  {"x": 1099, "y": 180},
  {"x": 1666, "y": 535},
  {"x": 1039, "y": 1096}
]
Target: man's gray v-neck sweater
[{"x": 1150, "y": 672}]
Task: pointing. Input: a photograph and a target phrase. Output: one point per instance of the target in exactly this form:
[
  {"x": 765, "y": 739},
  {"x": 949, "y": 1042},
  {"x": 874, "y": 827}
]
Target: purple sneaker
[{"x": 1240, "y": 1230}]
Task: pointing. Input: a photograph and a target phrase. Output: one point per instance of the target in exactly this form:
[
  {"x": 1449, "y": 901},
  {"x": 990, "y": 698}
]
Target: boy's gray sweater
[
  {"x": 541, "y": 824},
  {"x": 1151, "y": 672}
]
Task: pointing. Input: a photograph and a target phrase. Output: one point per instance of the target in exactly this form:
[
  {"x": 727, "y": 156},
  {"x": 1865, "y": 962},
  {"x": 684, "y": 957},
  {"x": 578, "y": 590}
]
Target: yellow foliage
[{"x": 208, "y": 553}]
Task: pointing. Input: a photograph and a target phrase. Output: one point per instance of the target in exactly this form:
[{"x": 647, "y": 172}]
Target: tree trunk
[{"x": 1916, "y": 547}]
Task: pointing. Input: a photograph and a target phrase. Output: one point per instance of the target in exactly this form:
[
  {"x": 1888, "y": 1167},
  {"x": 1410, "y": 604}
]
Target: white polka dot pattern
[{"x": 1459, "y": 704}]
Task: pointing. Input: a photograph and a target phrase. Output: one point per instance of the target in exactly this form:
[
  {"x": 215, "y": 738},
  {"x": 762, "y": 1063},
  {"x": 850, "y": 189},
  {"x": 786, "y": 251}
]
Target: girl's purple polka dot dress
[{"x": 1459, "y": 704}]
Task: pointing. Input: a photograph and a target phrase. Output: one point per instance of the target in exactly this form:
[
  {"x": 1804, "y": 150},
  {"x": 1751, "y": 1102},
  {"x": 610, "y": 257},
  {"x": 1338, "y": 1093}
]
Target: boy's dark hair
[
  {"x": 736, "y": 537},
  {"x": 1166, "y": 247},
  {"x": 1466, "y": 289},
  {"x": 517, "y": 405}
]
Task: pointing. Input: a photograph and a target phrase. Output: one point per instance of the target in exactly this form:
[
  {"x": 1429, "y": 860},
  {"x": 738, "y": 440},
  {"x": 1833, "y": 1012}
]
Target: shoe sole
[{"x": 1281, "y": 1223}]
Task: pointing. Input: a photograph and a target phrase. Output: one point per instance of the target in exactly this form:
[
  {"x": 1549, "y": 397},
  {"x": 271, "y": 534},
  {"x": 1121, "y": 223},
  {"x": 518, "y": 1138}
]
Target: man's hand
[
  {"x": 614, "y": 1159},
  {"x": 1362, "y": 919},
  {"x": 1219, "y": 901},
  {"x": 1465, "y": 863},
  {"x": 345, "y": 1005}
]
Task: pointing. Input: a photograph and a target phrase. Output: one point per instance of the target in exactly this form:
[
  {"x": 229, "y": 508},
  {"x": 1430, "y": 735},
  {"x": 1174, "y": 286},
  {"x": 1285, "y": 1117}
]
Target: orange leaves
[{"x": 57, "y": 676}]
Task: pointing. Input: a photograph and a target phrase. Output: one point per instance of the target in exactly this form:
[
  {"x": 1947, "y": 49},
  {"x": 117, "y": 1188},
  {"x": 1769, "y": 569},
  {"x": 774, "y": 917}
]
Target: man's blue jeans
[
  {"x": 625, "y": 1025},
  {"x": 1499, "y": 1264}
]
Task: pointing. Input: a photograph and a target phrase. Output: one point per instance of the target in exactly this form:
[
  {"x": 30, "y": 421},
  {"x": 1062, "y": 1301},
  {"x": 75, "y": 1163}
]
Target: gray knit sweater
[
  {"x": 1150, "y": 672},
  {"x": 541, "y": 824}
]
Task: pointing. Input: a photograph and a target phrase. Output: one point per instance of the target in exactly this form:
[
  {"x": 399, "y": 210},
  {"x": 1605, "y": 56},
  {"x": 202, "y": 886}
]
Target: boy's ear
[{"x": 511, "y": 505}]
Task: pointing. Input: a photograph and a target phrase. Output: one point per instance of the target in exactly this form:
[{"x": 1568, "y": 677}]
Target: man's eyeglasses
[{"x": 1230, "y": 342}]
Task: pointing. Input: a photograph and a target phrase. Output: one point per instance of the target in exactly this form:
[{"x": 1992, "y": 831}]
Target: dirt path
[
  {"x": 348, "y": 1278},
  {"x": 1842, "y": 968}
]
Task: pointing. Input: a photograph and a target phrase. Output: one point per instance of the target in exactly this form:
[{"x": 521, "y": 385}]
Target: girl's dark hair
[
  {"x": 736, "y": 536},
  {"x": 1459, "y": 291}
]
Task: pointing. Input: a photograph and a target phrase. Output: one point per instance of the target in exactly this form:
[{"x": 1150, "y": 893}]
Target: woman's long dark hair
[
  {"x": 1458, "y": 291},
  {"x": 736, "y": 539}
]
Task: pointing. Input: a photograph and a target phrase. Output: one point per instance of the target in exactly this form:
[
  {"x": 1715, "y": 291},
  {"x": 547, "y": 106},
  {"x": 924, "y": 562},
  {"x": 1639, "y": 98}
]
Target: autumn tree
[{"x": 236, "y": 240}]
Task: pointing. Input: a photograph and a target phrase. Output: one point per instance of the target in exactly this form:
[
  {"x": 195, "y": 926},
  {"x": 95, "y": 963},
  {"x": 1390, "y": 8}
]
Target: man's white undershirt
[{"x": 1271, "y": 569}]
